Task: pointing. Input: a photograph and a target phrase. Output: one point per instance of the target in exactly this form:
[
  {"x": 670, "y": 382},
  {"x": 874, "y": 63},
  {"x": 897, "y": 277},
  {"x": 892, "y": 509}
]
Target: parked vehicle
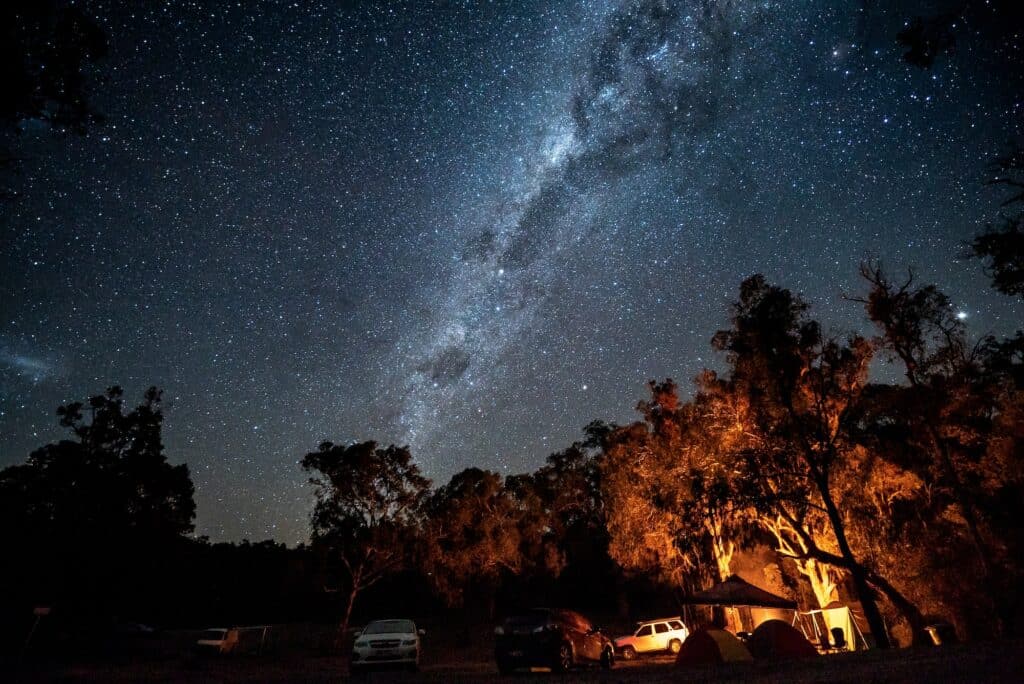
[
  {"x": 554, "y": 638},
  {"x": 387, "y": 642},
  {"x": 217, "y": 640},
  {"x": 653, "y": 636},
  {"x": 236, "y": 640}
]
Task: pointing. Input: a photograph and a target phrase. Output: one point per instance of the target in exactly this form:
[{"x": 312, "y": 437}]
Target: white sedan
[{"x": 387, "y": 642}]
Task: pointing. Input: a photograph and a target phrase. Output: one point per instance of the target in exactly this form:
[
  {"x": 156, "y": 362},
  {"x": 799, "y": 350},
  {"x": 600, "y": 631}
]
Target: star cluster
[{"x": 470, "y": 227}]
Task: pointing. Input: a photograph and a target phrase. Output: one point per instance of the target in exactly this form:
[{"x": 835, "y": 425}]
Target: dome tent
[
  {"x": 775, "y": 640},
  {"x": 711, "y": 646}
]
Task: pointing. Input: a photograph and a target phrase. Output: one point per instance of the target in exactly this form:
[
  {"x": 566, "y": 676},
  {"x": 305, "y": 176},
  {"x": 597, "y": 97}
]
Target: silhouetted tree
[
  {"x": 368, "y": 502},
  {"x": 1001, "y": 246},
  {"x": 569, "y": 488},
  {"x": 45, "y": 47},
  {"x": 948, "y": 411},
  {"x": 86, "y": 518}
]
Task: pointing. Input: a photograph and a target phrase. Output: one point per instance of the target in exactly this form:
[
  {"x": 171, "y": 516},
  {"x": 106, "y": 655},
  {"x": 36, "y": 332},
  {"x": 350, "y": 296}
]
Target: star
[{"x": 425, "y": 223}]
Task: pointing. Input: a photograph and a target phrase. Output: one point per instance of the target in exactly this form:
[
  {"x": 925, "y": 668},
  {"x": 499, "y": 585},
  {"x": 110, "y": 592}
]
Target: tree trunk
[
  {"x": 962, "y": 497},
  {"x": 971, "y": 521},
  {"x": 907, "y": 609},
  {"x": 343, "y": 629},
  {"x": 857, "y": 571},
  {"x": 818, "y": 573}
]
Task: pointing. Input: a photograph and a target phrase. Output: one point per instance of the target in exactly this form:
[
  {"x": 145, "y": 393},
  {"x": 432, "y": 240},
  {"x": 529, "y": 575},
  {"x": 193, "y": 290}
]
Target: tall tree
[
  {"x": 1001, "y": 246},
  {"x": 368, "y": 502},
  {"x": 569, "y": 488},
  {"x": 919, "y": 329},
  {"x": 478, "y": 530},
  {"x": 950, "y": 407},
  {"x": 801, "y": 387},
  {"x": 82, "y": 512},
  {"x": 668, "y": 491},
  {"x": 723, "y": 431}
]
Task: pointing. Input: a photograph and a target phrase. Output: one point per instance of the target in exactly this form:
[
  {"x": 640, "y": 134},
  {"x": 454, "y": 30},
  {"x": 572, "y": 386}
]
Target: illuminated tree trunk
[
  {"x": 343, "y": 628},
  {"x": 857, "y": 571},
  {"x": 722, "y": 548},
  {"x": 822, "y": 577}
]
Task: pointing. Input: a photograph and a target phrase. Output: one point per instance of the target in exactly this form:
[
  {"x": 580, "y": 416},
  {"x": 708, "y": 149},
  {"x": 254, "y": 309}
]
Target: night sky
[{"x": 467, "y": 227}]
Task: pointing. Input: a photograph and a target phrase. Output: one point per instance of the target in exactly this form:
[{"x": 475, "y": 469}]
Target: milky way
[
  {"x": 656, "y": 80},
  {"x": 471, "y": 228}
]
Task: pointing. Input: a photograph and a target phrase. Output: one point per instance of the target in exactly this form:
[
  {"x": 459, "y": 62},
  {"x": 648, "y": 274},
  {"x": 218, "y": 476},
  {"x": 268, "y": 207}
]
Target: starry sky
[{"x": 469, "y": 227}]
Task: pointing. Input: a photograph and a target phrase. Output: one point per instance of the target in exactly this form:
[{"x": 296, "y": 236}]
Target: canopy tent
[
  {"x": 746, "y": 605},
  {"x": 711, "y": 646},
  {"x": 777, "y": 640},
  {"x": 817, "y": 625},
  {"x": 735, "y": 591}
]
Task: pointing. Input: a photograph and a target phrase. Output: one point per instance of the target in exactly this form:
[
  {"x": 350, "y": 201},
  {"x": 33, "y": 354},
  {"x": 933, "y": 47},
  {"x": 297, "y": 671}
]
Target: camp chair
[{"x": 838, "y": 639}]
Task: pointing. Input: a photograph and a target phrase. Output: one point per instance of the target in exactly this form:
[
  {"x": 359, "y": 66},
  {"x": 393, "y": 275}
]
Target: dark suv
[{"x": 554, "y": 638}]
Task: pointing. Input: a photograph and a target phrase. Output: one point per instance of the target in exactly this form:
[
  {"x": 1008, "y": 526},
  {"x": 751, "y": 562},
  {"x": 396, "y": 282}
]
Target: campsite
[
  {"x": 782, "y": 646},
  {"x": 981, "y": 663}
]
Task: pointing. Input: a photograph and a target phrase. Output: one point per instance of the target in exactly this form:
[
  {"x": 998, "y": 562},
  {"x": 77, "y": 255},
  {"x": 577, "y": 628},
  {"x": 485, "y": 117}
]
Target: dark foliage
[
  {"x": 368, "y": 502},
  {"x": 939, "y": 28},
  {"x": 45, "y": 49},
  {"x": 1001, "y": 246},
  {"x": 89, "y": 521}
]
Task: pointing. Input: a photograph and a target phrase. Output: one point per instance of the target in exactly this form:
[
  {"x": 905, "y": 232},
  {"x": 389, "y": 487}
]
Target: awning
[{"x": 735, "y": 591}]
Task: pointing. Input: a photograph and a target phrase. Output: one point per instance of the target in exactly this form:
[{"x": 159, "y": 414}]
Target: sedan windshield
[
  {"x": 390, "y": 627},
  {"x": 529, "y": 618}
]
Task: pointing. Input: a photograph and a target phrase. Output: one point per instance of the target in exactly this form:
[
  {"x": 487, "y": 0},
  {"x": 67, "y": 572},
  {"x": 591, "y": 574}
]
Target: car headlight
[
  {"x": 408, "y": 642},
  {"x": 361, "y": 644},
  {"x": 541, "y": 628},
  {"x": 499, "y": 630}
]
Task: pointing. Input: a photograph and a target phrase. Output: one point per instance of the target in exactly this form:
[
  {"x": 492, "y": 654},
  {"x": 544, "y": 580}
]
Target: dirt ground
[{"x": 989, "y": 662}]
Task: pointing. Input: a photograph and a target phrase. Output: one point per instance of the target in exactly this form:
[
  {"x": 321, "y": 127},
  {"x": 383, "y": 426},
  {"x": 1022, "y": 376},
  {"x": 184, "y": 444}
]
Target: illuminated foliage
[
  {"x": 942, "y": 427},
  {"x": 801, "y": 387},
  {"x": 479, "y": 530},
  {"x": 668, "y": 488}
]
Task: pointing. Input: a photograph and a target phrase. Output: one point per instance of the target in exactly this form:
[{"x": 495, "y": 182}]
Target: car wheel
[
  {"x": 504, "y": 668},
  {"x": 607, "y": 658},
  {"x": 674, "y": 646},
  {"x": 628, "y": 653},
  {"x": 565, "y": 659}
]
